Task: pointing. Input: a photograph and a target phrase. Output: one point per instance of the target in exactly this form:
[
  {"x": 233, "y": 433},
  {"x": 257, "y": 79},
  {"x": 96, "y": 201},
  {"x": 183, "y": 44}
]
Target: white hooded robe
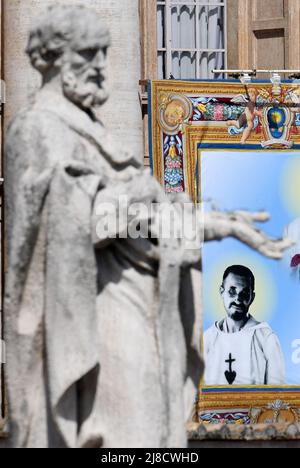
[{"x": 252, "y": 356}]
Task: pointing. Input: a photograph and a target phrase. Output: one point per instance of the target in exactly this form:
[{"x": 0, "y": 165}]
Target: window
[
  {"x": 191, "y": 39},
  {"x": 188, "y": 38}
]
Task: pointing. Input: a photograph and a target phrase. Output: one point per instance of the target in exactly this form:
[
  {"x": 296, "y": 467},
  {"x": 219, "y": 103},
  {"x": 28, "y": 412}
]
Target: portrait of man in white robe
[{"x": 238, "y": 350}]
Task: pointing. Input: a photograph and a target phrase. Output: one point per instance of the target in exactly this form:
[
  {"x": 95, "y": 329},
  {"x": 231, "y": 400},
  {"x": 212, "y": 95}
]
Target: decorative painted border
[
  {"x": 211, "y": 398},
  {"x": 252, "y": 432},
  {"x": 172, "y": 125}
]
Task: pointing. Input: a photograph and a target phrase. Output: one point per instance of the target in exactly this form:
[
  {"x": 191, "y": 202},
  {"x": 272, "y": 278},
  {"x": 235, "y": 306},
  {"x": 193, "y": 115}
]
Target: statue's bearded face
[{"x": 84, "y": 71}]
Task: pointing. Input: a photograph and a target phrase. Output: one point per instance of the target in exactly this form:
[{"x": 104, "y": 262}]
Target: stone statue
[{"x": 102, "y": 334}]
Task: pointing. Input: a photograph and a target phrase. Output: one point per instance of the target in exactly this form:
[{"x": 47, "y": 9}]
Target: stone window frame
[{"x": 148, "y": 28}]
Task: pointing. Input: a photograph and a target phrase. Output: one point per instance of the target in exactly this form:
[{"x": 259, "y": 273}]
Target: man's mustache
[{"x": 240, "y": 306}]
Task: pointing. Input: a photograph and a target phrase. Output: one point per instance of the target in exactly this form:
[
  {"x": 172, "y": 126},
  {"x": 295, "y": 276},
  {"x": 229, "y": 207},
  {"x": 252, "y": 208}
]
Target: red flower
[{"x": 295, "y": 261}]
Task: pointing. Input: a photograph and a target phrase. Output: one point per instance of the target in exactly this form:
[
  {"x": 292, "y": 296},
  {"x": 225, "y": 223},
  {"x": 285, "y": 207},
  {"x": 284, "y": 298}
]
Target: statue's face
[
  {"x": 84, "y": 70},
  {"x": 238, "y": 295}
]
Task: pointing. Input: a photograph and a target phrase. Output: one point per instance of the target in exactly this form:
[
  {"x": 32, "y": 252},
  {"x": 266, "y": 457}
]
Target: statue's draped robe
[{"x": 98, "y": 349}]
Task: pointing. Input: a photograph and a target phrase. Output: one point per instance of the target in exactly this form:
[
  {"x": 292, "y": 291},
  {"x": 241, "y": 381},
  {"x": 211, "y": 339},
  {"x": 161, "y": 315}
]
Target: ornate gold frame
[{"x": 214, "y": 135}]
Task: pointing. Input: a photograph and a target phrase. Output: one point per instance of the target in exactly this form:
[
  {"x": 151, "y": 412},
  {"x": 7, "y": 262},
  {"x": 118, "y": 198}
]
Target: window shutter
[{"x": 268, "y": 34}]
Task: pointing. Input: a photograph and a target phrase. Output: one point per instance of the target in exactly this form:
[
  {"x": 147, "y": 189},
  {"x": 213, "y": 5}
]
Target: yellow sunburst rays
[
  {"x": 290, "y": 186},
  {"x": 265, "y": 301},
  {"x": 277, "y": 119}
]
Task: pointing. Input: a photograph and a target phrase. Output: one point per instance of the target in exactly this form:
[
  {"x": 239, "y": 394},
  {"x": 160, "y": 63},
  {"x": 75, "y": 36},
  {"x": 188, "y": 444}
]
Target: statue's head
[{"x": 70, "y": 43}]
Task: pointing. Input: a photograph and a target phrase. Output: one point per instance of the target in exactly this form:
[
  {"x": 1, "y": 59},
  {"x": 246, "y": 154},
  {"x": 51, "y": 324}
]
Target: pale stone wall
[{"x": 122, "y": 113}]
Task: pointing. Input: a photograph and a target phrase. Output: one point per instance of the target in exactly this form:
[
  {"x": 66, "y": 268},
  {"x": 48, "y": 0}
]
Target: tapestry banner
[{"x": 236, "y": 148}]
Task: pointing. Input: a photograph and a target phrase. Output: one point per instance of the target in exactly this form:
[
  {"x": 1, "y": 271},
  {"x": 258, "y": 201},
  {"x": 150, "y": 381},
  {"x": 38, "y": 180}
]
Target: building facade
[{"x": 153, "y": 39}]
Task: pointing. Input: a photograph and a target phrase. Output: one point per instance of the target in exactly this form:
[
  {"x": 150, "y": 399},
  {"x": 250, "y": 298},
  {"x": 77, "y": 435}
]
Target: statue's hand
[
  {"x": 143, "y": 188},
  {"x": 240, "y": 225}
]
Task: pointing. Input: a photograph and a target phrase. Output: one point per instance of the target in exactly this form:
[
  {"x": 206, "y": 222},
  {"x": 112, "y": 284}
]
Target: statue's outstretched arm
[{"x": 240, "y": 225}]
